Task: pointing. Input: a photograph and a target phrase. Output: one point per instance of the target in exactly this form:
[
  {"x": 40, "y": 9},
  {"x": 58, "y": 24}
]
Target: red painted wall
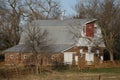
[{"x": 90, "y": 30}]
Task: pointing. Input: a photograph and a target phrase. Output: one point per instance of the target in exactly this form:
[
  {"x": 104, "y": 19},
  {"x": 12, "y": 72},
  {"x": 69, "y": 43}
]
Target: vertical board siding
[{"x": 90, "y": 30}]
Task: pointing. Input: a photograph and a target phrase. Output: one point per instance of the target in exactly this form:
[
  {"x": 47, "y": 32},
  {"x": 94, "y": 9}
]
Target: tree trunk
[
  {"x": 37, "y": 69},
  {"x": 36, "y": 65},
  {"x": 111, "y": 57}
]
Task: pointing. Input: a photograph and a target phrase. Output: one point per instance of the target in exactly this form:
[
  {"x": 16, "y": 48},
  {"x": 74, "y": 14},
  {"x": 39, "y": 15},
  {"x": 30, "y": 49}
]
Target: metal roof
[
  {"x": 58, "y": 29},
  {"x": 21, "y": 48},
  {"x": 66, "y": 22},
  {"x": 58, "y": 32}
]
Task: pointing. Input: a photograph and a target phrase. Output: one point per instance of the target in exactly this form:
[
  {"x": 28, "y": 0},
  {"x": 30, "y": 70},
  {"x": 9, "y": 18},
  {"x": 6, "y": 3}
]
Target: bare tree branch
[{"x": 107, "y": 12}]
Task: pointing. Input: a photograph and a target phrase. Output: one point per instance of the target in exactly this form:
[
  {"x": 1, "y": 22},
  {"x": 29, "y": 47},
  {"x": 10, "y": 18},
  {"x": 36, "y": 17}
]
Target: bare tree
[
  {"x": 10, "y": 22},
  {"x": 42, "y": 9},
  {"x": 15, "y": 19},
  {"x": 38, "y": 42},
  {"x": 107, "y": 12},
  {"x": 19, "y": 12}
]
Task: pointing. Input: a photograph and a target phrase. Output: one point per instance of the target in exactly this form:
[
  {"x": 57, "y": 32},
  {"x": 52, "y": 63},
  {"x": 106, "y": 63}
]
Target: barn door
[
  {"x": 90, "y": 30},
  {"x": 89, "y": 58},
  {"x": 68, "y": 57}
]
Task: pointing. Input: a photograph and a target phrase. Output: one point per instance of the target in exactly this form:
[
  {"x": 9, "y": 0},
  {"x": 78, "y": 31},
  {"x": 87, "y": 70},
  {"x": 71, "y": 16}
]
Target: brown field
[
  {"x": 62, "y": 74},
  {"x": 68, "y": 76}
]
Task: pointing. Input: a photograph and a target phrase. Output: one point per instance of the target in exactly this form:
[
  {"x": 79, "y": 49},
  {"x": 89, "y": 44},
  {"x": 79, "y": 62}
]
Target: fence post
[{"x": 99, "y": 77}]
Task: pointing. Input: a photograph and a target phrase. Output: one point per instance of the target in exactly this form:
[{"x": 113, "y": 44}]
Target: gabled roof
[
  {"x": 58, "y": 29},
  {"x": 66, "y": 22},
  {"x": 58, "y": 32}
]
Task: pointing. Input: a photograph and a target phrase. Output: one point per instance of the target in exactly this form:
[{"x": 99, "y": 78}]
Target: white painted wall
[
  {"x": 89, "y": 57},
  {"x": 97, "y": 39},
  {"x": 68, "y": 57},
  {"x": 76, "y": 60}
]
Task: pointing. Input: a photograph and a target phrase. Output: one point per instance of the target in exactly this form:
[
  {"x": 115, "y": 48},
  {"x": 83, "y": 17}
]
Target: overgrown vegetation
[
  {"x": 103, "y": 70},
  {"x": 70, "y": 74},
  {"x": 68, "y": 69},
  {"x": 14, "y": 13}
]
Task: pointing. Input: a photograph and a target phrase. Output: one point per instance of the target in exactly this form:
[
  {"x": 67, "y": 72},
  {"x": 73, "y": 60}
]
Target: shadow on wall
[
  {"x": 2, "y": 58},
  {"x": 106, "y": 55}
]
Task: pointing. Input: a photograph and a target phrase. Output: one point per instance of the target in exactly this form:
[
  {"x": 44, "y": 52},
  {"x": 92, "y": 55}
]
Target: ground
[
  {"x": 69, "y": 76},
  {"x": 94, "y": 74}
]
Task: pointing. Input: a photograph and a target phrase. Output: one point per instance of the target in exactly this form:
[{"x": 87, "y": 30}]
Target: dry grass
[
  {"x": 72, "y": 74},
  {"x": 68, "y": 76}
]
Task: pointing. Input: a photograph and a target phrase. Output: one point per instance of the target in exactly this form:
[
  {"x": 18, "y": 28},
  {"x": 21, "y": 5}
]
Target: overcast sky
[{"x": 67, "y": 5}]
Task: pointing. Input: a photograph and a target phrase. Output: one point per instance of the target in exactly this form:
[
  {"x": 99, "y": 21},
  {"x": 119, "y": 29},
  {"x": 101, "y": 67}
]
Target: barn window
[
  {"x": 97, "y": 51},
  {"x": 25, "y": 57},
  {"x": 11, "y": 56},
  {"x": 81, "y": 52}
]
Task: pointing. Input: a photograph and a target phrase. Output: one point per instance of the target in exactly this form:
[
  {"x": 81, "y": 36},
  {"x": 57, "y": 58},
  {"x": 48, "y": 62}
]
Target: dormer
[{"x": 89, "y": 30}]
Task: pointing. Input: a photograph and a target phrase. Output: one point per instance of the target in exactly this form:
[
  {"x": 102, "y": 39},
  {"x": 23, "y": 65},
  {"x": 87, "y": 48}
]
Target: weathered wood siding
[
  {"x": 26, "y": 59},
  {"x": 81, "y": 57},
  {"x": 90, "y": 30}
]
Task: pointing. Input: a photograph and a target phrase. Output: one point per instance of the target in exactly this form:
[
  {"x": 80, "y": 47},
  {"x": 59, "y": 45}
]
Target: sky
[{"x": 67, "y": 5}]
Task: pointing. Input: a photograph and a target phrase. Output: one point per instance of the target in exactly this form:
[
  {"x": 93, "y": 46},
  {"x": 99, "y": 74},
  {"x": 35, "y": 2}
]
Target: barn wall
[
  {"x": 25, "y": 59},
  {"x": 81, "y": 57},
  {"x": 90, "y": 30},
  {"x": 12, "y": 58}
]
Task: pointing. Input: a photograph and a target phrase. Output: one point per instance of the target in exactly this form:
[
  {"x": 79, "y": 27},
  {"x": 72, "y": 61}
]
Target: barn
[{"x": 75, "y": 42}]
